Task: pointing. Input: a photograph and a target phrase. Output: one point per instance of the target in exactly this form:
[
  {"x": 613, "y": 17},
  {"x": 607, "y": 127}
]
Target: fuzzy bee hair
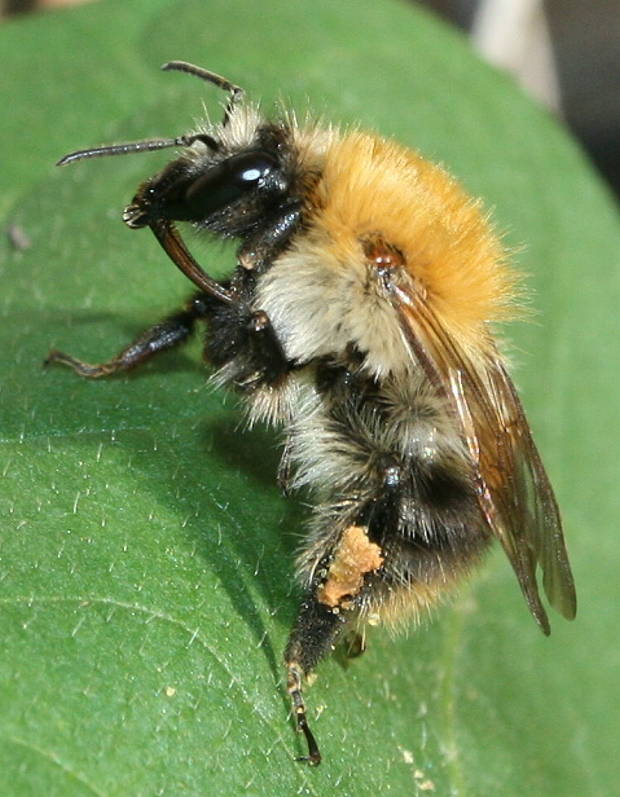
[{"x": 358, "y": 320}]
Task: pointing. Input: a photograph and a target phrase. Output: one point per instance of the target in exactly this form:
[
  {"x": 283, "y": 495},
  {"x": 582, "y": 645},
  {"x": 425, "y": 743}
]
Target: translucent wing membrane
[{"x": 513, "y": 490}]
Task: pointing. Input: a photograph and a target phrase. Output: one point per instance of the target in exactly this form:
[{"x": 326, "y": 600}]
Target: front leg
[{"x": 172, "y": 331}]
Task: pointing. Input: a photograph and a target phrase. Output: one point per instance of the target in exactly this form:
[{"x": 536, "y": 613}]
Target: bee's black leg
[
  {"x": 343, "y": 581},
  {"x": 317, "y": 628},
  {"x": 267, "y": 349},
  {"x": 166, "y": 334},
  {"x": 299, "y": 710}
]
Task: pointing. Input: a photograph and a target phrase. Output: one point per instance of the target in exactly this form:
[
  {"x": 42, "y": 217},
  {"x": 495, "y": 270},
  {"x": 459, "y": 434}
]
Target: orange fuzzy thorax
[{"x": 374, "y": 186}]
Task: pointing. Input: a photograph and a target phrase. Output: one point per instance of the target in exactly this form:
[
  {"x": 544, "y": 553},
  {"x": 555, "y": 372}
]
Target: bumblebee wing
[
  {"x": 514, "y": 493},
  {"x": 545, "y": 526}
]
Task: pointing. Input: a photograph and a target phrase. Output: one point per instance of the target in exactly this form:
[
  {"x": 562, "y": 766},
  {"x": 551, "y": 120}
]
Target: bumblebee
[{"x": 358, "y": 319}]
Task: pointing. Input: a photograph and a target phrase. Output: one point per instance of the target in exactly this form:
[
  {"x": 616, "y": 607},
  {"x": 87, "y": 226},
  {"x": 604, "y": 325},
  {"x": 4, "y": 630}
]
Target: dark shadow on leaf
[
  {"x": 243, "y": 539},
  {"x": 255, "y": 452},
  {"x": 230, "y": 468}
]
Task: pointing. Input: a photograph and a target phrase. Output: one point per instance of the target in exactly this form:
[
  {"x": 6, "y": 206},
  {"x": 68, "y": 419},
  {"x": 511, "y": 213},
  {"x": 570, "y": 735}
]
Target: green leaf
[{"x": 146, "y": 559}]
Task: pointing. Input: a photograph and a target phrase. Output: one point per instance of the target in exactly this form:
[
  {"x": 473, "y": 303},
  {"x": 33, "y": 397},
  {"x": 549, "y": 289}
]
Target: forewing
[
  {"x": 545, "y": 529},
  {"x": 513, "y": 490}
]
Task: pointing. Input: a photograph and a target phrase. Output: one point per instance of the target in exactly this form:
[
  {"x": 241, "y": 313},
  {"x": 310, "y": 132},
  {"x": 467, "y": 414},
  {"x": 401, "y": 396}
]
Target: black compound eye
[
  {"x": 228, "y": 181},
  {"x": 250, "y": 168}
]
